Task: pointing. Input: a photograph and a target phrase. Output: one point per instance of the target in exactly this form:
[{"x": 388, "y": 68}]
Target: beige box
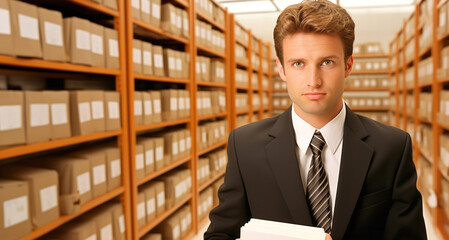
[
  {"x": 147, "y": 117},
  {"x": 171, "y": 146},
  {"x": 38, "y": 128},
  {"x": 182, "y": 144},
  {"x": 112, "y": 52},
  {"x": 170, "y": 63},
  {"x": 158, "y": 61},
  {"x": 103, "y": 222},
  {"x": 77, "y": 230},
  {"x": 97, "y": 48},
  {"x": 157, "y": 106},
  {"x": 186, "y": 64},
  {"x": 112, "y": 110},
  {"x": 205, "y": 69},
  {"x": 150, "y": 201},
  {"x": 43, "y": 191},
  {"x": 160, "y": 196},
  {"x": 135, "y": 9},
  {"x": 59, "y": 114},
  {"x": 98, "y": 110},
  {"x": 110, "y": 4},
  {"x": 198, "y": 73},
  {"x": 159, "y": 153},
  {"x": 148, "y": 149},
  {"x": 156, "y": 13},
  {"x": 137, "y": 56},
  {"x": 77, "y": 40},
  {"x": 185, "y": 24},
  {"x": 50, "y": 26},
  {"x": 6, "y": 36},
  {"x": 180, "y": 66},
  {"x": 183, "y": 112},
  {"x": 12, "y": 116},
  {"x": 15, "y": 220},
  {"x": 138, "y": 108},
  {"x": 140, "y": 161},
  {"x": 147, "y": 50},
  {"x": 113, "y": 166},
  {"x": 199, "y": 103},
  {"x": 25, "y": 29},
  {"x": 443, "y": 164},
  {"x": 152, "y": 236},
  {"x": 118, "y": 220},
  {"x": 145, "y": 11},
  {"x": 169, "y": 15},
  {"x": 169, "y": 103},
  {"x": 141, "y": 210},
  {"x": 172, "y": 194},
  {"x": 170, "y": 228}
]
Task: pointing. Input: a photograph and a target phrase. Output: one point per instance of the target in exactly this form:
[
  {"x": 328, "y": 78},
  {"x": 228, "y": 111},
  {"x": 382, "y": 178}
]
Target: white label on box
[
  {"x": 159, "y": 154},
  {"x": 178, "y": 64},
  {"x": 198, "y": 67},
  {"x": 139, "y": 161},
  {"x": 97, "y": 110},
  {"x": 10, "y": 117},
  {"x": 92, "y": 237},
  {"x": 176, "y": 232},
  {"x": 113, "y": 47},
  {"x": 49, "y": 198},
  {"x": 121, "y": 221},
  {"x": 173, "y": 104},
  {"x": 99, "y": 174},
  {"x": 189, "y": 218},
  {"x": 147, "y": 61},
  {"x": 171, "y": 63},
  {"x": 157, "y": 106},
  {"x": 222, "y": 130},
  {"x": 58, "y": 113},
  {"x": 160, "y": 199},
  {"x": 189, "y": 142},
  {"x": 40, "y": 115},
  {"x": 186, "y": 24},
  {"x": 182, "y": 104},
  {"x": 137, "y": 56},
  {"x": 82, "y": 39},
  {"x": 116, "y": 169},
  {"x": 447, "y": 108},
  {"x": 83, "y": 182},
  {"x": 217, "y": 133},
  {"x": 173, "y": 18},
  {"x": 156, "y": 9},
  {"x": 178, "y": 21},
  {"x": 53, "y": 34},
  {"x": 97, "y": 44},
  {"x": 174, "y": 148},
  {"x": 113, "y": 110},
  {"x": 222, "y": 100},
  {"x": 182, "y": 145},
  {"x": 187, "y": 102},
  {"x": 141, "y": 210},
  {"x": 146, "y": 6},
  {"x": 199, "y": 103},
  {"x": 148, "y": 107},
  {"x": 203, "y": 32},
  {"x": 137, "y": 108},
  {"x": 106, "y": 232},
  {"x": 84, "y": 112},
  {"x": 151, "y": 206},
  {"x": 5, "y": 23},
  {"x": 135, "y": 4},
  {"x": 203, "y": 67},
  {"x": 204, "y": 136},
  {"x": 183, "y": 224},
  {"x": 29, "y": 27},
  {"x": 149, "y": 157},
  {"x": 158, "y": 62}
]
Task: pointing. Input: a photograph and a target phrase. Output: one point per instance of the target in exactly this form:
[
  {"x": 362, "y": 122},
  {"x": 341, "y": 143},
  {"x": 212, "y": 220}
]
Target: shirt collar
[{"x": 332, "y": 131}]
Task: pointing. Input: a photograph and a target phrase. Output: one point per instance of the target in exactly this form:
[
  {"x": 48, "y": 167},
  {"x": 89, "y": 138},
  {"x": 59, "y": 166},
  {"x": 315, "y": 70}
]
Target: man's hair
[{"x": 314, "y": 16}]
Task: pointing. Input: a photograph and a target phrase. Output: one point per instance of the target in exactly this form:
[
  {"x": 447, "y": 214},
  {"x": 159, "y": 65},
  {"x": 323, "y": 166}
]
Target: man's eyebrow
[
  {"x": 335, "y": 57},
  {"x": 330, "y": 57}
]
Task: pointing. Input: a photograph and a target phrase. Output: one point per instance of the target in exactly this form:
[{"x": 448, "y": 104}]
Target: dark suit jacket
[{"x": 376, "y": 196}]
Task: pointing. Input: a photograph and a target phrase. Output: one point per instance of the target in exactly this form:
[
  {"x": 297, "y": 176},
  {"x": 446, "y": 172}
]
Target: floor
[{"x": 432, "y": 234}]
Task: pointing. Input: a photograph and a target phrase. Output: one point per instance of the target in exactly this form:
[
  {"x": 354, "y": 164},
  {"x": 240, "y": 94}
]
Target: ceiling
[{"x": 273, "y": 6}]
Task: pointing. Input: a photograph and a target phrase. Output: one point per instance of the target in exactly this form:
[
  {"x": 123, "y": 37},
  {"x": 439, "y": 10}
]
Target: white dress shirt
[{"x": 331, "y": 153}]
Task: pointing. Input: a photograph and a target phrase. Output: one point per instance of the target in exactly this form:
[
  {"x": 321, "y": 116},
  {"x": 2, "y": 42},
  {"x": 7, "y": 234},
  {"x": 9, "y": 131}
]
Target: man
[{"x": 318, "y": 163}]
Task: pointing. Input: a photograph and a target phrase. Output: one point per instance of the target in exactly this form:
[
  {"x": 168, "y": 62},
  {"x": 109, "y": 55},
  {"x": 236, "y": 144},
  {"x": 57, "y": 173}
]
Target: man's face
[{"x": 315, "y": 71}]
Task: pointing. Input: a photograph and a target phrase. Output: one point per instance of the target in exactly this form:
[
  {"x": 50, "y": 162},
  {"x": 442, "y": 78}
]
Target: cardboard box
[
  {"x": 158, "y": 61},
  {"x": 145, "y": 11},
  {"x": 111, "y": 44},
  {"x": 103, "y": 222},
  {"x": 152, "y": 236},
  {"x": 185, "y": 24},
  {"x": 12, "y": 117},
  {"x": 169, "y": 21},
  {"x": 98, "y": 110},
  {"x": 77, "y": 40},
  {"x": 97, "y": 161},
  {"x": 81, "y": 113},
  {"x": 97, "y": 48},
  {"x": 138, "y": 108},
  {"x": 150, "y": 201},
  {"x": 50, "y": 26},
  {"x": 6, "y": 36},
  {"x": 205, "y": 69},
  {"x": 159, "y": 153},
  {"x": 43, "y": 191},
  {"x": 135, "y": 6},
  {"x": 182, "y": 144},
  {"x": 137, "y": 56},
  {"x": 37, "y": 113},
  {"x": 112, "y": 110},
  {"x": 170, "y": 63},
  {"x": 157, "y": 106},
  {"x": 25, "y": 29},
  {"x": 169, "y": 102},
  {"x": 113, "y": 165},
  {"x": 156, "y": 13},
  {"x": 147, "y": 117},
  {"x": 140, "y": 161},
  {"x": 171, "y": 146},
  {"x": 182, "y": 108},
  {"x": 15, "y": 220},
  {"x": 180, "y": 67},
  {"x": 170, "y": 228},
  {"x": 59, "y": 114},
  {"x": 147, "y": 50},
  {"x": 186, "y": 64},
  {"x": 173, "y": 189},
  {"x": 148, "y": 149},
  {"x": 77, "y": 230},
  {"x": 141, "y": 210},
  {"x": 110, "y": 4},
  {"x": 118, "y": 220}
]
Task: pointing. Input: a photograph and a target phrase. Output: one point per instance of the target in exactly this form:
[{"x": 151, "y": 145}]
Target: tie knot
[{"x": 317, "y": 143}]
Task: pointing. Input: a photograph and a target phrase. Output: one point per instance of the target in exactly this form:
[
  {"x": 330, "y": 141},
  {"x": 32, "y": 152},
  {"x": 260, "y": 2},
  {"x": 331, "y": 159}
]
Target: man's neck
[{"x": 317, "y": 121}]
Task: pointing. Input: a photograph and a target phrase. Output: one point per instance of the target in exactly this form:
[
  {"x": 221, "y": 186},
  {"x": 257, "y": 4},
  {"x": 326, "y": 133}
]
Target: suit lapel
[
  {"x": 283, "y": 161},
  {"x": 355, "y": 160}
]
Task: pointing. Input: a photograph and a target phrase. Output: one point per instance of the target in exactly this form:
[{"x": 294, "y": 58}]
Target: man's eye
[
  {"x": 328, "y": 62},
  {"x": 297, "y": 64}
]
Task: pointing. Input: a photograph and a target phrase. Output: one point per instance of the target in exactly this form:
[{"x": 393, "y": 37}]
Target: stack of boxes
[
  {"x": 210, "y": 70},
  {"x": 211, "y": 102},
  {"x": 210, "y": 133}
]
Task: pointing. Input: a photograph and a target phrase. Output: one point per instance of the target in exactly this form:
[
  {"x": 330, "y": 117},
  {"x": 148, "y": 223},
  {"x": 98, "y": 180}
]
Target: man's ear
[
  {"x": 348, "y": 66},
  {"x": 280, "y": 69}
]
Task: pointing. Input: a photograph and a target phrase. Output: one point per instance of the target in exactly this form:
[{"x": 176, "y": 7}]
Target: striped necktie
[{"x": 318, "y": 186}]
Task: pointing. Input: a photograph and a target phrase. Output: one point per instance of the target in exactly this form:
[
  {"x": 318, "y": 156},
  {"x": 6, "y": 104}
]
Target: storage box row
[
  {"x": 367, "y": 48},
  {"x": 155, "y": 152},
  {"x": 380, "y": 64},
  {"x": 410, "y": 50},
  {"x": 154, "y": 60},
  {"x": 255, "y": 81},
  {"x": 210, "y": 70},
  {"x": 425, "y": 140},
  {"x": 29, "y": 31},
  {"x": 425, "y": 38},
  {"x": 241, "y": 78},
  {"x": 241, "y": 102},
  {"x": 210, "y": 133},
  {"x": 425, "y": 106},
  {"x": 255, "y": 60},
  {"x": 205, "y": 202},
  {"x": 366, "y": 81},
  {"x": 443, "y": 23},
  {"x": 257, "y": 103},
  {"x": 361, "y": 102},
  {"x": 39, "y": 116},
  {"x": 211, "y": 10},
  {"x": 278, "y": 84},
  {"x": 208, "y": 37},
  {"x": 161, "y": 105},
  {"x": 241, "y": 55},
  {"x": 282, "y": 102},
  {"x": 211, "y": 164},
  {"x": 377, "y": 116},
  {"x": 242, "y": 120},
  {"x": 425, "y": 71},
  {"x": 211, "y": 102}
]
